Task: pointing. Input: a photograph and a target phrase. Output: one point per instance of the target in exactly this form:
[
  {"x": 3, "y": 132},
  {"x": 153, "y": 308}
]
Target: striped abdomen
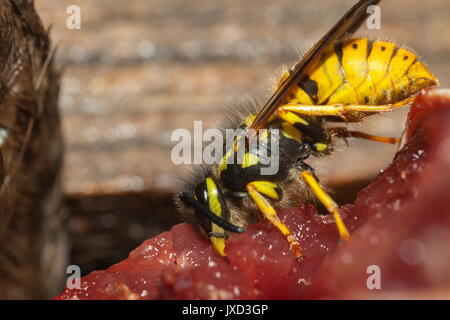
[{"x": 360, "y": 71}]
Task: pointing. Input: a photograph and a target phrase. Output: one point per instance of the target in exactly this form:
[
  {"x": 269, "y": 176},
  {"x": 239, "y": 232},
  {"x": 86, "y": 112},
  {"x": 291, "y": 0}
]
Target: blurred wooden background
[{"x": 137, "y": 70}]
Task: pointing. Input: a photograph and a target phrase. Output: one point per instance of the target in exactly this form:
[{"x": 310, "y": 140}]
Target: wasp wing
[{"x": 346, "y": 26}]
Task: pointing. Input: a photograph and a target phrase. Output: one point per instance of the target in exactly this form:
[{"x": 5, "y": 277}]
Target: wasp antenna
[{"x": 194, "y": 204}]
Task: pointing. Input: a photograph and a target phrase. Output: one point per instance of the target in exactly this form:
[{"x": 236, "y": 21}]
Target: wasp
[{"x": 340, "y": 79}]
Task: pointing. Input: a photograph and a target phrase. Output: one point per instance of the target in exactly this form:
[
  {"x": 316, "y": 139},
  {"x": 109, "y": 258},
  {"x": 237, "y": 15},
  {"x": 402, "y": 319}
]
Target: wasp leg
[
  {"x": 328, "y": 203},
  {"x": 257, "y": 190},
  {"x": 338, "y": 109},
  {"x": 294, "y": 126},
  {"x": 344, "y": 133}
]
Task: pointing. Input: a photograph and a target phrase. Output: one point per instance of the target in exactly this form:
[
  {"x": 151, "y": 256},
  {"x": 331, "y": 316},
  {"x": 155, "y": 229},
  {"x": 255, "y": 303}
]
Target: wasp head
[{"x": 211, "y": 212}]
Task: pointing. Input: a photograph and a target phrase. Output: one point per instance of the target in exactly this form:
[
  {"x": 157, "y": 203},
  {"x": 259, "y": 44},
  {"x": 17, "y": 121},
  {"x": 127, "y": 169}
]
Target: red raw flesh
[
  {"x": 409, "y": 235},
  {"x": 400, "y": 222}
]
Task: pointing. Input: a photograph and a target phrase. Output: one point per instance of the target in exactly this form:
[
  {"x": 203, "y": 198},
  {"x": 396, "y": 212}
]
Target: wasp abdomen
[{"x": 363, "y": 72}]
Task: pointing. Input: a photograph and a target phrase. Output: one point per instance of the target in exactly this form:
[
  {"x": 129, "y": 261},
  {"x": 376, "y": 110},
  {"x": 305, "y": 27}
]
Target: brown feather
[{"x": 33, "y": 250}]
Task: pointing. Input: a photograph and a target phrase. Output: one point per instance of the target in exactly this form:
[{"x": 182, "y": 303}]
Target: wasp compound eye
[{"x": 201, "y": 193}]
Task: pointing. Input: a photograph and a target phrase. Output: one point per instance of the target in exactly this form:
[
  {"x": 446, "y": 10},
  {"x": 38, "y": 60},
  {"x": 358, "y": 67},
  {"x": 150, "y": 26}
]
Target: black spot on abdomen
[{"x": 310, "y": 87}]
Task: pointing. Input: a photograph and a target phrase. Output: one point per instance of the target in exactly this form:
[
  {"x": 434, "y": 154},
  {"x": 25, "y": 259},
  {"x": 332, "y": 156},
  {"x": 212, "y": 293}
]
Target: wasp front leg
[
  {"x": 327, "y": 202},
  {"x": 258, "y": 191}
]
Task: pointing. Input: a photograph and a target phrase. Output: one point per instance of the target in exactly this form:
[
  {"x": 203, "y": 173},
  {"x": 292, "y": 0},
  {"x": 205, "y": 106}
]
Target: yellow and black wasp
[{"x": 340, "y": 79}]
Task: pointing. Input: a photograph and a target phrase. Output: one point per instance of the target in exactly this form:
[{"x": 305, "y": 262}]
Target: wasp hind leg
[
  {"x": 258, "y": 191},
  {"x": 327, "y": 201},
  {"x": 339, "y": 109},
  {"x": 340, "y": 132},
  {"x": 290, "y": 113}
]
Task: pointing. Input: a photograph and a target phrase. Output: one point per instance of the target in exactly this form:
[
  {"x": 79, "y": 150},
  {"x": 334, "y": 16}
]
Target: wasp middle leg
[
  {"x": 258, "y": 191},
  {"x": 327, "y": 202}
]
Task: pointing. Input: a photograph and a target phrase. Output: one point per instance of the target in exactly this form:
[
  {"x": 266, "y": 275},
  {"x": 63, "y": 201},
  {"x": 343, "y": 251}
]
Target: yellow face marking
[
  {"x": 291, "y": 132},
  {"x": 250, "y": 160},
  {"x": 216, "y": 208},
  {"x": 213, "y": 196},
  {"x": 214, "y": 202}
]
